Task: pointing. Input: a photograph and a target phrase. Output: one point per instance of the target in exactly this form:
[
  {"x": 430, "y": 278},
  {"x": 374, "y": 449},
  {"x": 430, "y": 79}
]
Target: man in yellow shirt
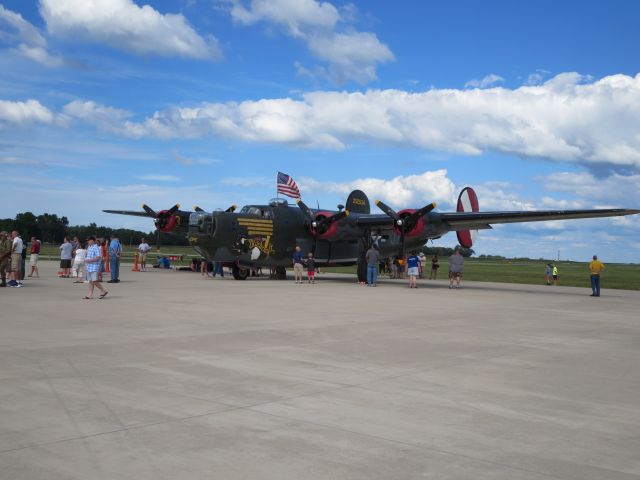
[{"x": 595, "y": 267}]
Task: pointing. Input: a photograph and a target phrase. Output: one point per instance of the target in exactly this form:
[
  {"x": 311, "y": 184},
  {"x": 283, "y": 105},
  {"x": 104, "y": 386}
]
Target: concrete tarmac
[{"x": 174, "y": 376}]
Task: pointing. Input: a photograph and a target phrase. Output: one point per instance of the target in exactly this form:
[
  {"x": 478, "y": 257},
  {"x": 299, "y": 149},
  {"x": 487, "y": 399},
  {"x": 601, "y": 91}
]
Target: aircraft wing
[
  {"x": 483, "y": 220},
  {"x": 129, "y": 212}
]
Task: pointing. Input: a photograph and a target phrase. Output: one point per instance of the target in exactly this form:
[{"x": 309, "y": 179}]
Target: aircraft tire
[
  {"x": 239, "y": 273},
  {"x": 281, "y": 273}
]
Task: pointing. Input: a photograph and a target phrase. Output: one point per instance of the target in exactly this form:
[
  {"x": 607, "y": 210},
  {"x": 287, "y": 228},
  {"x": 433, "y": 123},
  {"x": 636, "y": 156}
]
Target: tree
[
  {"x": 447, "y": 252},
  {"x": 27, "y": 225},
  {"x": 52, "y": 228},
  {"x": 7, "y": 224}
]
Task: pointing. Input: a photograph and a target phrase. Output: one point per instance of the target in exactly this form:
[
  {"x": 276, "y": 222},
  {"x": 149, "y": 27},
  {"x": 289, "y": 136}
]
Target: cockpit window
[
  {"x": 260, "y": 212},
  {"x": 197, "y": 219}
]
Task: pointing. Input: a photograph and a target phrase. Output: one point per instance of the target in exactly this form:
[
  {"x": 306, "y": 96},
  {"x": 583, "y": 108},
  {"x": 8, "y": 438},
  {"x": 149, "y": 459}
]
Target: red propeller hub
[
  {"x": 416, "y": 229},
  {"x": 166, "y": 224},
  {"x": 331, "y": 231}
]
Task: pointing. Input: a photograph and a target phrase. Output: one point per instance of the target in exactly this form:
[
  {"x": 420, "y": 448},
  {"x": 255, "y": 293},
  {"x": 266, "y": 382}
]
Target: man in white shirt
[
  {"x": 16, "y": 259},
  {"x": 143, "y": 249}
]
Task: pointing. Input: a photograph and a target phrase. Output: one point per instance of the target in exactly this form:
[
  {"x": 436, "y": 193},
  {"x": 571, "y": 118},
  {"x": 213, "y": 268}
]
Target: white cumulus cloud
[
  {"x": 28, "y": 41},
  {"x": 489, "y": 81},
  {"x": 104, "y": 117},
  {"x": 400, "y": 192},
  {"x": 31, "y": 111},
  {"x": 623, "y": 190},
  {"x": 125, "y": 25},
  {"x": 295, "y": 15},
  {"x": 350, "y": 54},
  {"x": 564, "y": 119}
]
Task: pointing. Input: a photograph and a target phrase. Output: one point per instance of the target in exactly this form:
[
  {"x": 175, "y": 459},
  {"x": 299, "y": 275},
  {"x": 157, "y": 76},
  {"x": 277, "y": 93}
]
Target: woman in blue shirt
[{"x": 413, "y": 269}]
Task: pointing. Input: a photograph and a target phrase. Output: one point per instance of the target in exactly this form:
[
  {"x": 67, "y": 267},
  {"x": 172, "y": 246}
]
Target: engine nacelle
[
  {"x": 417, "y": 229},
  {"x": 167, "y": 224},
  {"x": 331, "y": 231}
]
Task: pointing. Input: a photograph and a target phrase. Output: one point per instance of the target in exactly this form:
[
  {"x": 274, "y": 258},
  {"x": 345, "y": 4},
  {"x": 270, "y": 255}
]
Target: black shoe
[{"x": 111, "y": 281}]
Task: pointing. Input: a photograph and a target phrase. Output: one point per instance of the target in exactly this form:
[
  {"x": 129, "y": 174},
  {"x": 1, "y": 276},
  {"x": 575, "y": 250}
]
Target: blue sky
[{"x": 111, "y": 103}]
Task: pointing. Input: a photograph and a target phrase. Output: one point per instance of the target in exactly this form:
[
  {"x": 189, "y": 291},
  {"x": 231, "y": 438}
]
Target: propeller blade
[
  {"x": 307, "y": 211},
  {"x": 231, "y": 209},
  {"x": 172, "y": 210},
  {"x": 198, "y": 209},
  {"x": 326, "y": 222},
  {"x": 388, "y": 210},
  {"x": 149, "y": 210},
  {"x": 424, "y": 210}
]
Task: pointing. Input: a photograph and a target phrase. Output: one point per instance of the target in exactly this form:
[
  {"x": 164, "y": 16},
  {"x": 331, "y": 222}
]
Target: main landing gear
[{"x": 239, "y": 273}]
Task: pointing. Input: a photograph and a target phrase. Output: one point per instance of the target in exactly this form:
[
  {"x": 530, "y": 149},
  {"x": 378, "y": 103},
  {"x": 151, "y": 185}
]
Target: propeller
[
  {"x": 162, "y": 217},
  {"x": 404, "y": 221},
  {"x": 231, "y": 209},
  {"x": 320, "y": 226}
]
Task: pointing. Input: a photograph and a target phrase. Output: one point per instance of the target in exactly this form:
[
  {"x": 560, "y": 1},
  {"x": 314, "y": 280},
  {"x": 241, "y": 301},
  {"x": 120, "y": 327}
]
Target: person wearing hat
[{"x": 5, "y": 257}]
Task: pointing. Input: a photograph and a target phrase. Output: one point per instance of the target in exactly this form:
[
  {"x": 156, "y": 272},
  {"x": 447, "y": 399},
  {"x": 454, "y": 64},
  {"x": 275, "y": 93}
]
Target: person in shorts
[
  {"x": 456, "y": 264},
  {"x": 423, "y": 264},
  {"x": 33, "y": 257},
  {"x": 16, "y": 259},
  {"x": 297, "y": 264},
  {"x": 92, "y": 261},
  {"x": 435, "y": 265},
  {"x": 66, "y": 255},
  {"x": 413, "y": 269},
  {"x": 143, "y": 250},
  {"x": 311, "y": 268},
  {"x": 78, "y": 269}
]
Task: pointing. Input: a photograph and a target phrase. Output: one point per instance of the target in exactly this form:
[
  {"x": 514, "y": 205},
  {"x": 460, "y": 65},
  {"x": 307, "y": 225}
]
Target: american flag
[{"x": 287, "y": 186}]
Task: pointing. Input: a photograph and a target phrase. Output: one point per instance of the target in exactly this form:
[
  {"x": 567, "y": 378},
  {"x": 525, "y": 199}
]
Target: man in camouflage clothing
[{"x": 5, "y": 257}]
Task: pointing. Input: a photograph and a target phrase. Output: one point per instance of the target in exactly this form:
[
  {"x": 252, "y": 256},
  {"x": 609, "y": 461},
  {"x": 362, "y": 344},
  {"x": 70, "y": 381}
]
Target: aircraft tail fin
[
  {"x": 467, "y": 202},
  {"x": 358, "y": 202}
]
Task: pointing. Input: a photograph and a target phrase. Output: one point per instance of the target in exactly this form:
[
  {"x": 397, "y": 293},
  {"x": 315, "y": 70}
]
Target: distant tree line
[
  {"x": 446, "y": 251},
  {"x": 50, "y": 228}
]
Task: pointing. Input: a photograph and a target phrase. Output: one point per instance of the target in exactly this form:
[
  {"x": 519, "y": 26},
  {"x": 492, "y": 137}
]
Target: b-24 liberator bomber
[{"x": 266, "y": 235}]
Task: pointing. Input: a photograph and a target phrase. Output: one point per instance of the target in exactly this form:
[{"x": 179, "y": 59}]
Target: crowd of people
[
  {"x": 415, "y": 265},
  {"x": 87, "y": 263},
  {"x": 84, "y": 262}
]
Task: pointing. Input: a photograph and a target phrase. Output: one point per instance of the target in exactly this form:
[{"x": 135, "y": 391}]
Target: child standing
[
  {"x": 77, "y": 270},
  {"x": 311, "y": 268}
]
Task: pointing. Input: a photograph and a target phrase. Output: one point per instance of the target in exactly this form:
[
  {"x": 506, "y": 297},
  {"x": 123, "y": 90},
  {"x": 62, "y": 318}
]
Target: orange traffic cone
[{"x": 135, "y": 263}]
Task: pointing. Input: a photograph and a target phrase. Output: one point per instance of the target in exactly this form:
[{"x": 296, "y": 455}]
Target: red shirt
[{"x": 35, "y": 247}]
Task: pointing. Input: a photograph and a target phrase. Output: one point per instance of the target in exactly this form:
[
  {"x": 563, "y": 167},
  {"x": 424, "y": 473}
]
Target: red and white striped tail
[{"x": 467, "y": 202}]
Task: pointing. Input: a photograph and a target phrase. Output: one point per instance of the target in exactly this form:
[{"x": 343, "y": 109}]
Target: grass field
[{"x": 575, "y": 274}]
